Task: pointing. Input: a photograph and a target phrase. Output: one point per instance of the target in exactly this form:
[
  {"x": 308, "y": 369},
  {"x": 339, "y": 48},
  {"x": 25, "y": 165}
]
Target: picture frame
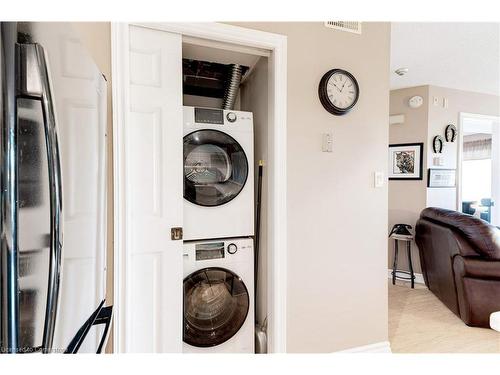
[
  {"x": 405, "y": 161},
  {"x": 442, "y": 178}
]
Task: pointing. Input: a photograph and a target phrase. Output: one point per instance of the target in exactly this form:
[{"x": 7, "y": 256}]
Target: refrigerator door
[{"x": 56, "y": 301}]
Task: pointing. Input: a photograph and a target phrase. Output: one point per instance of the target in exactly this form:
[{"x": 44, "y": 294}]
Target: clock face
[
  {"x": 341, "y": 90},
  {"x": 338, "y": 91}
]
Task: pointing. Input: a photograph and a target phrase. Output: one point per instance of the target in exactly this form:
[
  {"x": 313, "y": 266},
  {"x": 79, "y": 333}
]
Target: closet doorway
[{"x": 129, "y": 325}]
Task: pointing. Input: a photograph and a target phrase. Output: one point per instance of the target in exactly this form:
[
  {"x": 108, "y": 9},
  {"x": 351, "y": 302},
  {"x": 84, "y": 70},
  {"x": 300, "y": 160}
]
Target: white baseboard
[
  {"x": 419, "y": 278},
  {"x": 378, "y": 347}
]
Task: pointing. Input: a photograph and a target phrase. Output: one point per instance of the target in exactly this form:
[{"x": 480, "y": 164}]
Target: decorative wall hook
[
  {"x": 437, "y": 144},
  {"x": 450, "y": 133}
]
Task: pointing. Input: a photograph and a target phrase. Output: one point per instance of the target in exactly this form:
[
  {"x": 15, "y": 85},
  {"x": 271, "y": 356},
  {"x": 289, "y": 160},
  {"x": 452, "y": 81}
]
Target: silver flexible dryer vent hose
[{"x": 232, "y": 86}]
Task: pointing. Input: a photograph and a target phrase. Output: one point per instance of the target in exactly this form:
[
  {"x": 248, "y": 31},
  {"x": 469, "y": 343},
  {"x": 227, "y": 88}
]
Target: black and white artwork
[
  {"x": 442, "y": 178},
  {"x": 405, "y": 161}
]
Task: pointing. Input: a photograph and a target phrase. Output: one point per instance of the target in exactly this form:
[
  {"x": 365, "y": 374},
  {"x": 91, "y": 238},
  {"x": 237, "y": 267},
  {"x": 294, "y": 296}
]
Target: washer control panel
[{"x": 208, "y": 251}]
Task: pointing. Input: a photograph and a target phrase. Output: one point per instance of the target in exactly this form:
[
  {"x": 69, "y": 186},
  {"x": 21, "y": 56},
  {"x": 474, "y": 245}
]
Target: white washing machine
[
  {"x": 218, "y": 296},
  {"x": 218, "y": 173}
]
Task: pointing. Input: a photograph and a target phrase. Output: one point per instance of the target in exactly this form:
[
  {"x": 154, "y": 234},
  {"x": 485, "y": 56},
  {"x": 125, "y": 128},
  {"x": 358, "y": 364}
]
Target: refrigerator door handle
[
  {"x": 33, "y": 82},
  {"x": 102, "y": 315}
]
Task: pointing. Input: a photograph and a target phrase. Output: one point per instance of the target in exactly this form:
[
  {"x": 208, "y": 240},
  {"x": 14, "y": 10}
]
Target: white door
[
  {"x": 153, "y": 193},
  {"x": 81, "y": 104}
]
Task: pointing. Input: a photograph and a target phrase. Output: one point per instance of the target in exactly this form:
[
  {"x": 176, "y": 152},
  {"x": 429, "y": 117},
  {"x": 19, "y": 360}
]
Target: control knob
[
  {"x": 231, "y": 117},
  {"x": 232, "y": 248}
]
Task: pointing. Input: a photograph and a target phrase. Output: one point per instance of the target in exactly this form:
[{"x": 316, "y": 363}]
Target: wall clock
[
  {"x": 338, "y": 91},
  {"x": 437, "y": 144},
  {"x": 450, "y": 133}
]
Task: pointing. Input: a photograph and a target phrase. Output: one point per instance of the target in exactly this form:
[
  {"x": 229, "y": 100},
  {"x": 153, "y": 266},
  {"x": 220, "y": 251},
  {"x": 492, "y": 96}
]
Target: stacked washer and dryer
[{"x": 218, "y": 225}]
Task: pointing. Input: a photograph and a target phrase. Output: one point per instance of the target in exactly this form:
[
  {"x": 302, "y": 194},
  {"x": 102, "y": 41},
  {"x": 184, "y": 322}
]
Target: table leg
[
  {"x": 395, "y": 262},
  {"x": 412, "y": 275}
]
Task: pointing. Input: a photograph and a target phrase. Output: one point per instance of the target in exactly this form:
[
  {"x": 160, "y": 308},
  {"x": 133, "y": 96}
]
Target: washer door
[
  {"x": 216, "y": 304},
  {"x": 215, "y": 168}
]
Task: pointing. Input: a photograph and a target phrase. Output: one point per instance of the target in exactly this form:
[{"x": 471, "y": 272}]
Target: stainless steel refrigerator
[{"x": 53, "y": 192}]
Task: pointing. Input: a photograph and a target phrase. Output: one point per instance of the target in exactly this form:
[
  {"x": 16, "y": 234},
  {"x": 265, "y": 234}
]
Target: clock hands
[
  {"x": 343, "y": 85},
  {"x": 330, "y": 83}
]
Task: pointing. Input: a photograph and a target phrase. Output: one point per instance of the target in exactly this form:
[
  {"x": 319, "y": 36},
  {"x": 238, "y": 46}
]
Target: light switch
[
  {"x": 445, "y": 102},
  {"x": 437, "y": 161},
  {"x": 379, "y": 179},
  {"x": 327, "y": 145}
]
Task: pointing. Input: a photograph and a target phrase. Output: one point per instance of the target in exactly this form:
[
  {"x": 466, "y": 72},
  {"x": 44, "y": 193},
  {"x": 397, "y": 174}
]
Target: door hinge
[{"x": 176, "y": 233}]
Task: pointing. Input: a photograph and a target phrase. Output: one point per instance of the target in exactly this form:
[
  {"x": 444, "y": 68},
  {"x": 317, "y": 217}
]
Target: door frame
[
  {"x": 461, "y": 117},
  {"x": 277, "y": 135}
]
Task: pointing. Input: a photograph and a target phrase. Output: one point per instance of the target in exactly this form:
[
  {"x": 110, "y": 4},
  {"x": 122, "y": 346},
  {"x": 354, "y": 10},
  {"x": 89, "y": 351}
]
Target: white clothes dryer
[{"x": 218, "y": 174}]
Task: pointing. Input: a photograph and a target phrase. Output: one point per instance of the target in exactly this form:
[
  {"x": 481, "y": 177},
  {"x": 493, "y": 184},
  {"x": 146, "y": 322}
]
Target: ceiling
[{"x": 464, "y": 56}]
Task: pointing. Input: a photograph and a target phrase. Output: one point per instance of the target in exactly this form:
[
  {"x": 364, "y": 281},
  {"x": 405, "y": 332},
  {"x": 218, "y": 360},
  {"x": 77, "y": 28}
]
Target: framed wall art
[
  {"x": 442, "y": 178},
  {"x": 405, "y": 161}
]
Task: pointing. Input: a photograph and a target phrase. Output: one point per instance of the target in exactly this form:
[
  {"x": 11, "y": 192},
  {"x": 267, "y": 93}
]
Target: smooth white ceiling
[{"x": 464, "y": 56}]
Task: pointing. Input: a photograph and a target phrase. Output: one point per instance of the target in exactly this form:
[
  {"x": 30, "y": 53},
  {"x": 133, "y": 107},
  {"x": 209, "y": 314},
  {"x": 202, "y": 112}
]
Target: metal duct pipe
[{"x": 232, "y": 87}]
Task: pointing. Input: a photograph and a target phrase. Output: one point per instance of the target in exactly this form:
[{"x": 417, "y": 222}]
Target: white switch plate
[
  {"x": 437, "y": 161},
  {"x": 327, "y": 142},
  {"x": 379, "y": 179}
]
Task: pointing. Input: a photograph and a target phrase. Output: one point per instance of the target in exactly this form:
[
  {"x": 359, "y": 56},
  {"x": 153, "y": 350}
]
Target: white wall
[
  {"x": 439, "y": 117},
  {"x": 408, "y": 198},
  {"x": 337, "y": 220}
]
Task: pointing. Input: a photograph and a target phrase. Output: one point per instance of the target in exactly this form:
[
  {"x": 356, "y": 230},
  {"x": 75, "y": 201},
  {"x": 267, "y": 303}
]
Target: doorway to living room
[{"x": 445, "y": 124}]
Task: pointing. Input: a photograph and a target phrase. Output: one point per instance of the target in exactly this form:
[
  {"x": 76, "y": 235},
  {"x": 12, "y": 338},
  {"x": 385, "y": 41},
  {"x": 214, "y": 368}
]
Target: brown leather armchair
[{"x": 460, "y": 258}]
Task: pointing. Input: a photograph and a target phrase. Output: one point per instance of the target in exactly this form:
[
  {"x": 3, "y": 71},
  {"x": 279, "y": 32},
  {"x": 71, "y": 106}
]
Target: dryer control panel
[
  {"x": 209, "y": 116},
  {"x": 216, "y": 118}
]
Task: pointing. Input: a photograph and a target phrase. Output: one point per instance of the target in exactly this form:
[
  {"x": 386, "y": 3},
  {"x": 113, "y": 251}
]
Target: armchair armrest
[{"x": 476, "y": 268}]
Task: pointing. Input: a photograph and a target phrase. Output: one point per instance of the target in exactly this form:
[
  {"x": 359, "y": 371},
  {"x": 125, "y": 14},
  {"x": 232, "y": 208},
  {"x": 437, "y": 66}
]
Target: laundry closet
[{"x": 193, "y": 265}]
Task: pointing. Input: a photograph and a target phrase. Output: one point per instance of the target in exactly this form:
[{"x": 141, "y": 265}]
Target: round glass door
[
  {"x": 216, "y": 305},
  {"x": 215, "y": 168}
]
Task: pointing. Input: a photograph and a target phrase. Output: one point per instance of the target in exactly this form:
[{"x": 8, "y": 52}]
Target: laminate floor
[{"x": 420, "y": 323}]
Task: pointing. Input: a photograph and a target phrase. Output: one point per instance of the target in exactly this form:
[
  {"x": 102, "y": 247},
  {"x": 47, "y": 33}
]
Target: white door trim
[
  {"x": 461, "y": 117},
  {"x": 120, "y": 103},
  {"x": 277, "y": 226}
]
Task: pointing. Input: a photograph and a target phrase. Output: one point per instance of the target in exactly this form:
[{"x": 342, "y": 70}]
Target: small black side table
[{"x": 395, "y": 271}]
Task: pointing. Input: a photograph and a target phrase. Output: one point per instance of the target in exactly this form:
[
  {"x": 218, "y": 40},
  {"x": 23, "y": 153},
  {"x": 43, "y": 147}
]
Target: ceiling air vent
[{"x": 349, "y": 26}]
